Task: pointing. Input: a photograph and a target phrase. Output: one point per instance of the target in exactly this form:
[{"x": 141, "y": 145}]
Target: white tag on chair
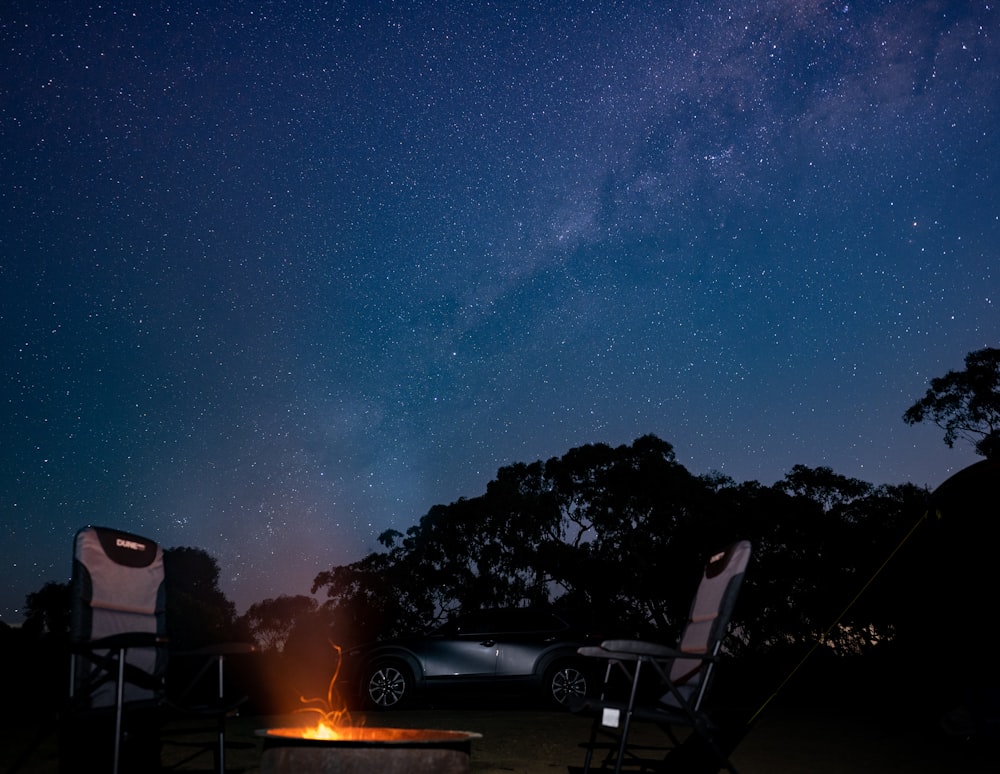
[{"x": 609, "y": 717}]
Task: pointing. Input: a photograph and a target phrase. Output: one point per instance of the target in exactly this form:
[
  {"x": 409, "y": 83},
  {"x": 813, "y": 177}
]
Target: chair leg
[
  {"x": 624, "y": 730},
  {"x": 119, "y": 701},
  {"x": 595, "y": 726},
  {"x": 623, "y": 743},
  {"x": 220, "y": 749},
  {"x": 590, "y": 744},
  {"x": 626, "y": 721},
  {"x": 220, "y": 762}
]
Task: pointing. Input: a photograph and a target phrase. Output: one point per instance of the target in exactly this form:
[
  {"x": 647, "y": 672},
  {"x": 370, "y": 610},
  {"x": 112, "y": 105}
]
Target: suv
[{"x": 500, "y": 648}]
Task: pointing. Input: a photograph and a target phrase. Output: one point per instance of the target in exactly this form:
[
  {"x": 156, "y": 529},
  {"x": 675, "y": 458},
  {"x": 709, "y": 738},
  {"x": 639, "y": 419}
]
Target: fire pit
[{"x": 361, "y": 750}]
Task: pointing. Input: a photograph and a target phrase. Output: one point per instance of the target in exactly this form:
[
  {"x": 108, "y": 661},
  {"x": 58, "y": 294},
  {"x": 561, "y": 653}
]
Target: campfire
[
  {"x": 384, "y": 736},
  {"x": 337, "y": 743},
  {"x": 334, "y": 721}
]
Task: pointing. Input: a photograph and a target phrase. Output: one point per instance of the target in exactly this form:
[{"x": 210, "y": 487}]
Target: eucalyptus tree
[
  {"x": 965, "y": 404},
  {"x": 198, "y": 611}
]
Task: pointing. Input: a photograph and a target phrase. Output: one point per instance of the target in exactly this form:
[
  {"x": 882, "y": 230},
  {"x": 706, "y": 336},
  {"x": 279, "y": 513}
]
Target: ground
[{"x": 534, "y": 741}]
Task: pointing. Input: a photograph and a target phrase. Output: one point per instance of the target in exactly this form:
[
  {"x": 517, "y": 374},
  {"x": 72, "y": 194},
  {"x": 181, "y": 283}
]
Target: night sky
[{"x": 276, "y": 277}]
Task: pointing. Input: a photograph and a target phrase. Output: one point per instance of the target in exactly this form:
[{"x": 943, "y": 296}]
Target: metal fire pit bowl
[{"x": 366, "y": 750}]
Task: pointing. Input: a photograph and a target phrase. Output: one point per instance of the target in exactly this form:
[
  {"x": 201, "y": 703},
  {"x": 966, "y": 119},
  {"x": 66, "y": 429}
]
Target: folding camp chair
[
  {"x": 684, "y": 673},
  {"x": 119, "y": 655}
]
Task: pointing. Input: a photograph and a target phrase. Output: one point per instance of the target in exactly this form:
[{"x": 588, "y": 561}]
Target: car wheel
[
  {"x": 565, "y": 682},
  {"x": 387, "y": 685}
]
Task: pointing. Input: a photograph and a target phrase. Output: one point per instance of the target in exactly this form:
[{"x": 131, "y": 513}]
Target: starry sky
[{"x": 276, "y": 277}]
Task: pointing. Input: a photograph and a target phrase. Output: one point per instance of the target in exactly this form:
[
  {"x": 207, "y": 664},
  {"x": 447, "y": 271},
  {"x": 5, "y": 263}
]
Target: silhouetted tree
[
  {"x": 594, "y": 528},
  {"x": 373, "y": 597},
  {"x": 631, "y": 513},
  {"x": 823, "y": 486},
  {"x": 198, "y": 612},
  {"x": 777, "y": 606},
  {"x": 47, "y": 610},
  {"x": 38, "y": 653},
  {"x": 622, "y": 533},
  {"x": 884, "y": 529},
  {"x": 965, "y": 404},
  {"x": 272, "y": 620}
]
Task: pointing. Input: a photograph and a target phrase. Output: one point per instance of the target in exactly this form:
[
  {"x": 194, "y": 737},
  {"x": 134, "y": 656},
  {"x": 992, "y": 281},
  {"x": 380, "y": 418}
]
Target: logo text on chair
[{"x": 122, "y": 543}]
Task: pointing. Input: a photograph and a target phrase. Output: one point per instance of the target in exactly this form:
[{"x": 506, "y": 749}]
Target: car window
[
  {"x": 506, "y": 620},
  {"x": 472, "y": 624},
  {"x": 531, "y": 620}
]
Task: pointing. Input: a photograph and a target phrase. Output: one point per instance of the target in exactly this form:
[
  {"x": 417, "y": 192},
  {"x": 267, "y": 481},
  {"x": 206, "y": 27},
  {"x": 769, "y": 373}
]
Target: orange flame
[{"x": 334, "y": 717}]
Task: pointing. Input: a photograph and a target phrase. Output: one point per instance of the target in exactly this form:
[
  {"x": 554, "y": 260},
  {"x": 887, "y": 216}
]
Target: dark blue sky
[{"x": 276, "y": 277}]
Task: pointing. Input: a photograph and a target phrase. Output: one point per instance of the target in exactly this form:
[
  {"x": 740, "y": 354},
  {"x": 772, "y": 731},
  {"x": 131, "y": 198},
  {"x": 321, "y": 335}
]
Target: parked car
[{"x": 503, "y": 649}]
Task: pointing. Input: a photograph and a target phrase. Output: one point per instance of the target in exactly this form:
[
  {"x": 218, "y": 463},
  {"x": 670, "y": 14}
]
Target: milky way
[{"x": 276, "y": 279}]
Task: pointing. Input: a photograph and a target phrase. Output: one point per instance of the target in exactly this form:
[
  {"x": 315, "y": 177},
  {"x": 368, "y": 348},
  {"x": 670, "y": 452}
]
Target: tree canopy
[
  {"x": 198, "y": 612},
  {"x": 271, "y": 621},
  {"x": 47, "y": 611},
  {"x": 965, "y": 404},
  {"x": 619, "y": 535}
]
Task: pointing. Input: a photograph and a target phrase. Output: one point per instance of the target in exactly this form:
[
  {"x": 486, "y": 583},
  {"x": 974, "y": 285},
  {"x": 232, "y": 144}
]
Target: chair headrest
[
  {"x": 125, "y": 548},
  {"x": 719, "y": 563}
]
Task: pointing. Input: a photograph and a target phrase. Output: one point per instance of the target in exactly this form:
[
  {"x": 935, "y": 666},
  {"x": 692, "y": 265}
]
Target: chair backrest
[
  {"x": 117, "y": 588},
  {"x": 708, "y": 621}
]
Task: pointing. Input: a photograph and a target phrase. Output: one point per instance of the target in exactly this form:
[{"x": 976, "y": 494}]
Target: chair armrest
[
  {"x": 641, "y": 648},
  {"x": 219, "y": 649},
  {"x": 120, "y": 641},
  {"x": 631, "y": 650},
  {"x": 594, "y": 651}
]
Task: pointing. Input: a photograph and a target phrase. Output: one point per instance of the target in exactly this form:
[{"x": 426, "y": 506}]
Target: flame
[
  {"x": 334, "y": 717},
  {"x": 335, "y": 723},
  {"x": 322, "y": 731}
]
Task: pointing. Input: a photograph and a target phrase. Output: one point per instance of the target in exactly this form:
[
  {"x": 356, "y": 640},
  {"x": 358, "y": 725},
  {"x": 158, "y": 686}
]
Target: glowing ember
[
  {"x": 377, "y": 735},
  {"x": 321, "y": 731}
]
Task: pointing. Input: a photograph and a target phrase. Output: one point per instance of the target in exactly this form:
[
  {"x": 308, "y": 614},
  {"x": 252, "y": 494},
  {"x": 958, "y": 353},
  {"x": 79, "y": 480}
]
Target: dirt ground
[{"x": 543, "y": 742}]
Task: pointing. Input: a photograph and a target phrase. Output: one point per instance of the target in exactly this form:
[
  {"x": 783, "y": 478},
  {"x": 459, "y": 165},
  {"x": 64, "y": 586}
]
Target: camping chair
[
  {"x": 684, "y": 672},
  {"x": 119, "y": 651}
]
